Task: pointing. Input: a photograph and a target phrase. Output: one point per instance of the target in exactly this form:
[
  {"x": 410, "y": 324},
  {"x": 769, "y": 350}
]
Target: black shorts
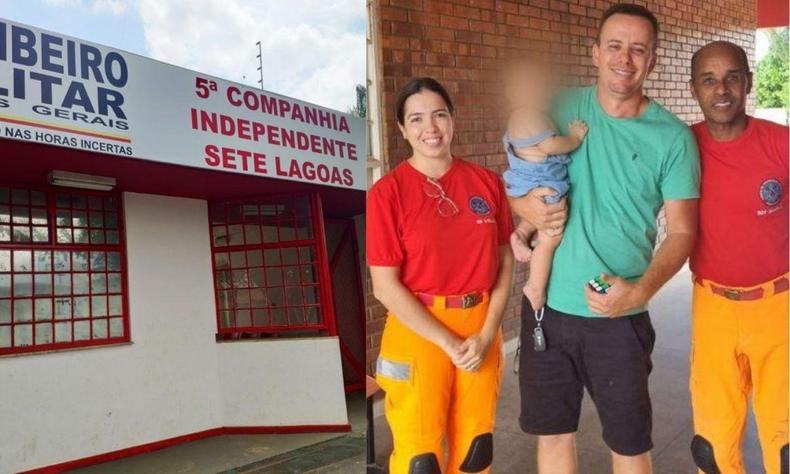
[{"x": 608, "y": 357}]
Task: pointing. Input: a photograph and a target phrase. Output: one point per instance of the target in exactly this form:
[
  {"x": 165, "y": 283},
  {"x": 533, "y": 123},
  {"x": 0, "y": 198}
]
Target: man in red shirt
[{"x": 740, "y": 264}]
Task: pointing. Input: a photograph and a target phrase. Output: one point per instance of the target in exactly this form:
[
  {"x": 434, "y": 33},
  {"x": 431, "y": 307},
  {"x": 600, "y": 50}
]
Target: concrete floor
[
  {"x": 324, "y": 453},
  {"x": 672, "y": 426},
  {"x": 339, "y": 455}
]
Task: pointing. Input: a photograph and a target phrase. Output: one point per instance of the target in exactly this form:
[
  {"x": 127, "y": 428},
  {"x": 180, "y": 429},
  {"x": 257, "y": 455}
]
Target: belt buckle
[
  {"x": 467, "y": 301},
  {"x": 731, "y": 294}
]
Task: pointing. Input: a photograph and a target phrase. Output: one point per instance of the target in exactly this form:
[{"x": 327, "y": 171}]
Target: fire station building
[{"x": 178, "y": 256}]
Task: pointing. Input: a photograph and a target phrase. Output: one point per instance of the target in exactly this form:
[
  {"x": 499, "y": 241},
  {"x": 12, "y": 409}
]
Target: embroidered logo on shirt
[
  {"x": 479, "y": 206},
  {"x": 771, "y": 191}
]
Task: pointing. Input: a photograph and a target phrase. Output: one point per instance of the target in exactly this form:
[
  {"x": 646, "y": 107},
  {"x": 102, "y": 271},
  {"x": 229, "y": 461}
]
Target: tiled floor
[{"x": 672, "y": 428}]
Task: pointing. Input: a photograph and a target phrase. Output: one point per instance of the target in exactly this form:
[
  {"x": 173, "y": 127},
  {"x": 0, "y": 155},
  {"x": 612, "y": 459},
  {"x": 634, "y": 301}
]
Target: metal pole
[{"x": 260, "y": 64}]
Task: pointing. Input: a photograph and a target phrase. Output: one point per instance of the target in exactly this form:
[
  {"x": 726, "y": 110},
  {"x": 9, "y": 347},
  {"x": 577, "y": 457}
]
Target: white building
[{"x": 203, "y": 277}]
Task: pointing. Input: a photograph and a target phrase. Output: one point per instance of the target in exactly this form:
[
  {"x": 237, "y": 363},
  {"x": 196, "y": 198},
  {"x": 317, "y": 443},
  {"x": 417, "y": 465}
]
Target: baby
[{"x": 538, "y": 156}]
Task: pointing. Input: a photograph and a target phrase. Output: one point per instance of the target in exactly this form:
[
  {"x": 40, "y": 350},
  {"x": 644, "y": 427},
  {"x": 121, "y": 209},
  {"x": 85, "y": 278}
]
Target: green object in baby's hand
[{"x": 599, "y": 285}]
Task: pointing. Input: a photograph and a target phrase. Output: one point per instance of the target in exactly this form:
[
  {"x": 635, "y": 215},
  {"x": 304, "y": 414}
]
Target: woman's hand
[
  {"x": 473, "y": 352},
  {"x": 548, "y": 218},
  {"x": 451, "y": 346}
]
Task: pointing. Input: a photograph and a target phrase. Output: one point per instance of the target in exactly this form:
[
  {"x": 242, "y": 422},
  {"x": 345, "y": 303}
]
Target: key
[{"x": 539, "y": 339}]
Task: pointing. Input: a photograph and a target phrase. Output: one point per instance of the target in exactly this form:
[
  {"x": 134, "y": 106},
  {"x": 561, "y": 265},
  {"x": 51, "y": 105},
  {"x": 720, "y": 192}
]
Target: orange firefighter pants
[
  {"x": 428, "y": 400},
  {"x": 739, "y": 348}
]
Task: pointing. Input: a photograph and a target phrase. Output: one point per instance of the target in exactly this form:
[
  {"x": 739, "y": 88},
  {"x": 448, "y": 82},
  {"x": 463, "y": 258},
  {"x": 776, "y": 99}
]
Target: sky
[
  {"x": 313, "y": 50},
  {"x": 762, "y": 43}
]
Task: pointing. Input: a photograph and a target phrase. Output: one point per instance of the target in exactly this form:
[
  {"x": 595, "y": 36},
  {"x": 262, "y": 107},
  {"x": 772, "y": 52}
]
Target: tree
[
  {"x": 773, "y": 72},
  {"x": 360, "y": 109}
]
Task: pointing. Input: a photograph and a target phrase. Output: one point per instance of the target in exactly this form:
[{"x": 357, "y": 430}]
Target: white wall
[
  {"x": 279, "y": 382},
  {"x": 780, "y": 116},
  {"x": 61, "y": 406}
]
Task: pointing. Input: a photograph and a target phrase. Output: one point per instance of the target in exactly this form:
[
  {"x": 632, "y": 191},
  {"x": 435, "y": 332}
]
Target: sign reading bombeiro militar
[{"x": 59, "y": 90}]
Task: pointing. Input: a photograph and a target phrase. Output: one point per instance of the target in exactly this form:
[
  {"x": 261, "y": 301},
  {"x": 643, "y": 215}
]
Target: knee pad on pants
[
  {"x": 424, "y": 464},
  {"x": 702, "y": 452},
  {"x": 783, "y": 453},
  {"x": 480, "y": 454}
]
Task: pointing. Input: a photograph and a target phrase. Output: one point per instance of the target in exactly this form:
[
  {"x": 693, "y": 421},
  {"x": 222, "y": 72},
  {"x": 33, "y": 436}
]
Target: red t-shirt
[
  {"x": 439, "y": 255},
  {"x": 743, "y": 205}
]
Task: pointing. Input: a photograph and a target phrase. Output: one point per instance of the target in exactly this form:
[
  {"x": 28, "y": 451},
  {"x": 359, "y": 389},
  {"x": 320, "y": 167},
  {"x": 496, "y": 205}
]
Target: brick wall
[{"x": 463, "y": 43}]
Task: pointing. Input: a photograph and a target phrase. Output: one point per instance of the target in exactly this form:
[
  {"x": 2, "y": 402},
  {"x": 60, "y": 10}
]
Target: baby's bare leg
[
  {"x": 540, "y": 268},
  {"x": 520, "y": 239}
]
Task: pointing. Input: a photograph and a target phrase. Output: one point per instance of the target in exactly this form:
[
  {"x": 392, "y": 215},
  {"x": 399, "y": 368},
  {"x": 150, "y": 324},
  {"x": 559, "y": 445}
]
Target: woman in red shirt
[{"x": 440, "y": 261}]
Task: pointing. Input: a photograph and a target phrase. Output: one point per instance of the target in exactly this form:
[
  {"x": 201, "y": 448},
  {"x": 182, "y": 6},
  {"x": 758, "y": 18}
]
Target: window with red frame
[
  {"x": 268, "y": 265},
  {"x": 62, "y": 275}
]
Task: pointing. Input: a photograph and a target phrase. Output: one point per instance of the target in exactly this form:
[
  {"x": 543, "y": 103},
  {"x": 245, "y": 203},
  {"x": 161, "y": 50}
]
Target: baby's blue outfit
[{"x": 525, "y": 175}]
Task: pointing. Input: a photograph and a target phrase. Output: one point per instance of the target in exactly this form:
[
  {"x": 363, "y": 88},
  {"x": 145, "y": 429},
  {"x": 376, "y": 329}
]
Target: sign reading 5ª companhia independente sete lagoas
[{"x": 62, "y": 91}]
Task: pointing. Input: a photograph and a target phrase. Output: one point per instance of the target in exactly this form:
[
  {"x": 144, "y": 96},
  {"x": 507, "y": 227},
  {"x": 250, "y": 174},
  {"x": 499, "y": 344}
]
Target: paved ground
[
  {"x": 317, "y": 453},
  {"x": 343, "y": 455},
  {"x": 672, "y": 431}
]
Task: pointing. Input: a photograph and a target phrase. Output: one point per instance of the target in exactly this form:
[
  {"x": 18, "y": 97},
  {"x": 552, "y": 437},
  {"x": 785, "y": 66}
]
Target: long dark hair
[{"x": 417, "y": 85}]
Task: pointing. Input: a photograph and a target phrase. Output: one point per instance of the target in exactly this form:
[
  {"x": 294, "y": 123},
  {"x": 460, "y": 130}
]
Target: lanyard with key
[{"x": 538, "y": 340}]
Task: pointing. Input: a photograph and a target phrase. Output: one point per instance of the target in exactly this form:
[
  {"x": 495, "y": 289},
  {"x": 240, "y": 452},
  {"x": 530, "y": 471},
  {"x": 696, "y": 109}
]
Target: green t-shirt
[{"x": 620, "y": 176}]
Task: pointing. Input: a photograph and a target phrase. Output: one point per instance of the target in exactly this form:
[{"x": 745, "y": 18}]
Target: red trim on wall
[
  {"x": 166, "y": 443},
  {"x": 123, "y": 453}
]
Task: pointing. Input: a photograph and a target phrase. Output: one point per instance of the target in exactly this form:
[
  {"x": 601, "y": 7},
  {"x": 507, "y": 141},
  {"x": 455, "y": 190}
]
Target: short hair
[
  {"x": 629, "y": 9},
  {"x": 738, "y": 50},
  {"x": 415, "y": 86}
]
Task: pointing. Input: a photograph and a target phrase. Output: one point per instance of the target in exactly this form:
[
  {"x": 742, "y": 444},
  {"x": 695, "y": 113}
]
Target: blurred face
[
  {"x": 625, "y": 54},
  {"x": 529, "y": 85},
  {"x": 427, "y": 124},
  {"x": 720, "y": 84}
]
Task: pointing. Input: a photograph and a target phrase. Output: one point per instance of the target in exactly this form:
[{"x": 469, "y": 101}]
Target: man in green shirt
[{"x": 637, "y": 157}]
